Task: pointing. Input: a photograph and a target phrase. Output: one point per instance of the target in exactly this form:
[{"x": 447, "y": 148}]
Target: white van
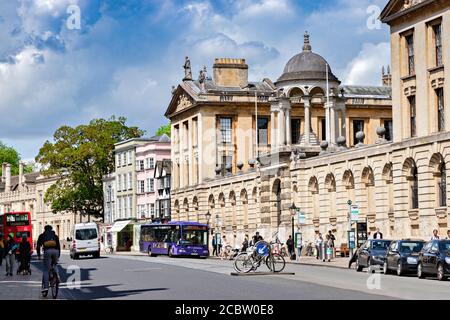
[{"x": 85, "y": 241}]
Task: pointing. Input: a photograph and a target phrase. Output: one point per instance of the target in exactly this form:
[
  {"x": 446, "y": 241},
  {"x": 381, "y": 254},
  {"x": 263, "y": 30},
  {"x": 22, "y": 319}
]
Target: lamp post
[
  {"x": 349, "y": 202},
  {"x": 208, "y": 218},
  {"x": 293, "y": 210}
]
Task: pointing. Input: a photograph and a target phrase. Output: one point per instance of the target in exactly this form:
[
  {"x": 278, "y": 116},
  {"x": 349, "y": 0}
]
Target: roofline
[{"x": 385, "y": 18}]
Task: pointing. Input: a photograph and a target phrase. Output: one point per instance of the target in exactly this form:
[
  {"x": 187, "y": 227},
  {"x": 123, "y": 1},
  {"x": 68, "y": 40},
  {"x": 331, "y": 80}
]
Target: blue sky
[{"x": 128, "y": 53}]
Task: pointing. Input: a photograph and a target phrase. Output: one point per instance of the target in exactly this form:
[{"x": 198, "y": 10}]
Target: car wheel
[
  {"x": 358, "y": 266},
  {"x": 440, "y": 272},
  {"x": 399, "y": 269},
  {"x": 420, "y": 273},
  {"x": 385, "y": 268}
]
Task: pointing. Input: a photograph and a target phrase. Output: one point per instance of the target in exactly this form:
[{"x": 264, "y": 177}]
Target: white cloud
[{"x": 366, "y": 67}]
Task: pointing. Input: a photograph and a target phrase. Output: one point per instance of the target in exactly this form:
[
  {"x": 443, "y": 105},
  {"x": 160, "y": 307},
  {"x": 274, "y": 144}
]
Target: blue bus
[{"x": 175, "y": 239}]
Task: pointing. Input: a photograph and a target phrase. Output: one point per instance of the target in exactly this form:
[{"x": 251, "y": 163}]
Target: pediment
[
  {"x": 181, "y": 100},
  {"x": 397, "y": 6}
]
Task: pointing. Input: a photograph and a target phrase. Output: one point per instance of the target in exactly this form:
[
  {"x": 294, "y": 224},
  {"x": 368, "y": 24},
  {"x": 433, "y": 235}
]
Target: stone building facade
[
  {"x": 400, "y": 186},
  {"x": 25, "y": 193}
]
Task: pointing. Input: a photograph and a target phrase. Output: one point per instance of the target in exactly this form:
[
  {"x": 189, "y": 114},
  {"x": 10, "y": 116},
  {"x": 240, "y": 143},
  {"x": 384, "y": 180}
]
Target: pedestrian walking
[
  {"x": 11, "y": 248},
  {"x": 331, "y": 240},
  {"x": 318, "y": 243},
  {"x": 24, "y": 255},
  {"x": 329, "y": 245},
  {"x": 214, "y": 245},
  {"x": 290, "y": 245},
  {"x": 224, "y": 252},
  {"x": 2, "y": 249},
  {"x": 435, "y": 235},
  {"x": 245, "y": 244},
  {"x": 448, "y": 236},
  {"x": 256, "y": 238}
]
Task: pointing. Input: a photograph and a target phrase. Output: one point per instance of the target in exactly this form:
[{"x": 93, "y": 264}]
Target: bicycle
[
  {"x": 109, "y": 249},
  {"x": 53, "y": 279},
  {"x": 261, "y": 253}
]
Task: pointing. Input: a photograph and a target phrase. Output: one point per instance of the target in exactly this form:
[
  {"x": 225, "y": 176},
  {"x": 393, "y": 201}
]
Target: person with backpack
[
  {"x": 24, "y": 255},
  {"x": 49, "y": 241},
  {"x": 10, "y": 256}
]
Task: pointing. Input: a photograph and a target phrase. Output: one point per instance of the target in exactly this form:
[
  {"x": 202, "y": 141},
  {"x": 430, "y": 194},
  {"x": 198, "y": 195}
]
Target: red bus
[{"x": 18, "y": 223}]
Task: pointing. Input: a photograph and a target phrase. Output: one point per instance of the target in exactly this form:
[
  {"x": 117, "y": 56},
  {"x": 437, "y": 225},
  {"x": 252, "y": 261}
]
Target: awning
[{"x": 119, "y": 225}]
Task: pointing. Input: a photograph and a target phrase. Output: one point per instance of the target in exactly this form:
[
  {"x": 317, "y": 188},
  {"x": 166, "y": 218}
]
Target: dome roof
[{"x": 307, "y": 65}]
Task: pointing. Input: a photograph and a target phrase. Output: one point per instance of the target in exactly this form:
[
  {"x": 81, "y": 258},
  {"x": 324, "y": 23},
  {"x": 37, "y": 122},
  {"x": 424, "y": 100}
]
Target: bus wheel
[
  {"x": 170, "y": 253},
  {"x": 149, "y": 251}
]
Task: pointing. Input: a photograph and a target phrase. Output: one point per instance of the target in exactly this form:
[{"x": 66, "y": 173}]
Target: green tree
[
  {"x": 10, "y": 155},
  {"x": 163, "y": 129},
  {"x": 80, "y": 157}
]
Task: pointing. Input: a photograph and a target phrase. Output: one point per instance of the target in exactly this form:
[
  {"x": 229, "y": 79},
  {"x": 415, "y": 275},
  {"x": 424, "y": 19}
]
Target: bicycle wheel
[
  {"x": 54, "y": 284},
  {"x": 275, "y": 262},
  {"x": 243, "y": 263}
]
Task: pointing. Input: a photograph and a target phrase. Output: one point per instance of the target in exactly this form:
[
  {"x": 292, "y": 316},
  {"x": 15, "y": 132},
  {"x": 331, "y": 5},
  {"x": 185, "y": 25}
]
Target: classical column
[
  {"x": 288, "y": 126},
  {"x": 332, "y": 122},
  {"x": 273, "y": 136},
  {"x": 280, "y": 139},
  {"x": 307, "y": 119}
]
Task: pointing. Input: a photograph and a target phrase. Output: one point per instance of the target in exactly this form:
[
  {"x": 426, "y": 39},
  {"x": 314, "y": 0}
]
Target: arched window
[
  {"x": 368, "y": 180},
  {"x": 437, "y": 165},
  {"x": 442, "y": 186},
  {"x": 313, "y": 188},
  {"x": 222, "y": 220},
  {"x": 244, "y": 200},
  {"x": 276, "y": 196},
  {"x": 232, "y": 198},
  {"x": 411, "y": 174}
]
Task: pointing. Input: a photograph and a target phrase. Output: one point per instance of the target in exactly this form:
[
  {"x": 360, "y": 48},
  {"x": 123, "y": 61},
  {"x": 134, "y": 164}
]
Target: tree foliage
[
  {"x": 80, "y": 157},
  {"x": 165, "y": 129},
  {"x": 11, "y": 156}
]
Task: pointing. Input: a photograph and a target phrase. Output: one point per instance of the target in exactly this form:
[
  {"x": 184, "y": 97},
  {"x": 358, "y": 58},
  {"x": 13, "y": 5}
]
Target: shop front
[{"x": 123, "y": 235}]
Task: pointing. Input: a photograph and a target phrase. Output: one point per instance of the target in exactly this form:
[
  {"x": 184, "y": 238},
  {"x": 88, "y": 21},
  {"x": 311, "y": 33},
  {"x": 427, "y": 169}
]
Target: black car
[
  {"x": 402, "y": 256},
  {"x": 434, "y": 259},
  {"x": 372, "y": 253}
]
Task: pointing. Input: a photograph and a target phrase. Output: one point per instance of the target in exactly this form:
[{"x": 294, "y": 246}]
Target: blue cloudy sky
[{"x": 128, "y": 53}]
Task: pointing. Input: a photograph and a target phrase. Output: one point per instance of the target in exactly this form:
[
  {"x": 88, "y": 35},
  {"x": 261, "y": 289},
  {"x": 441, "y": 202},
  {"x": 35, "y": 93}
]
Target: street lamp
[
  {"x": 293, "y": 210},
  {"x": 208, "y": 217}
]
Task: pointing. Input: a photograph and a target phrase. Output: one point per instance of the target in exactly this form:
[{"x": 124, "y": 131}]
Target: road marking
[{"x": 141, "y": 270}]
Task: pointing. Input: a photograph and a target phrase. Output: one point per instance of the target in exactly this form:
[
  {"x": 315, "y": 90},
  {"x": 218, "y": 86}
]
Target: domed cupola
[{"x": 306, "y": 65}]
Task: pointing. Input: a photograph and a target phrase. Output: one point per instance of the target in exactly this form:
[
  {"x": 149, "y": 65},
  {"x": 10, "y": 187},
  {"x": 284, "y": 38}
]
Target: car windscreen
[
  {"x": 85, "y": 234},
  {"x": 445, "y": 246},
  {"x": 411, "y": 247},
  {"x": 380, "y": 245}
]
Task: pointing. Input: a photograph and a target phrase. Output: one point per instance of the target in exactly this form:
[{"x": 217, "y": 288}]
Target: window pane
[
  {"x": 358, "y": 125},
  {"x": 389, "y": 130},
  {"x": 263, "y": 127},
  {"x": 295, "y": 131},
  {"x": 225, "y": 129}
]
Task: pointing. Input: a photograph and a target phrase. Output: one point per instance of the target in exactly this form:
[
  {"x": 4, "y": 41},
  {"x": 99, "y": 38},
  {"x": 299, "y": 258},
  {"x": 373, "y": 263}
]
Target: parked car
[
  {"x": 402, "y": 256},
  {"x": 372, "y": 254},
  {"x": 85, "y": 241},
  {"x": 434, "y": 259}
]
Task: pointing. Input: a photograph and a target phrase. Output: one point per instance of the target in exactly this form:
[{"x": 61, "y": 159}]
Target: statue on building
[
  {"x": 187, "y": 70},
  {"x": 202, "y": 78}
]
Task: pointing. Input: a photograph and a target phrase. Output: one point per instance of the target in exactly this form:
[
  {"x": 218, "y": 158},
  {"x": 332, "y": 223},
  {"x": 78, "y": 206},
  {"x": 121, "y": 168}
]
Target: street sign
[
  {"x": 298, "y": 239},
  {"x": 354, "y": 212},
  {"x": 351, "y": 239},
  {"x": 301, "y": 218}
]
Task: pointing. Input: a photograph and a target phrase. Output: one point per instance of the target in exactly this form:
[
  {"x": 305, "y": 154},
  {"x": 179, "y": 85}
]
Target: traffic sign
[
  {"x": 301, "y": 218},
  {"x": 354, "y": 212}
]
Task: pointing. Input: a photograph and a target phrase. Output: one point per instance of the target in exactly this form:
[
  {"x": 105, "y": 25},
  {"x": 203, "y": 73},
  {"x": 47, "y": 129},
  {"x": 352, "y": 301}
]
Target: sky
[{"x": 126, "y": 54}]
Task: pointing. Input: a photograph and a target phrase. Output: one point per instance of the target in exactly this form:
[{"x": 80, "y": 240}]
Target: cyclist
[{"x": 52, "y": 251}]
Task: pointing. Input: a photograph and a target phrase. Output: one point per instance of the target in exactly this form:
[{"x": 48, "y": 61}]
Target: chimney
[
  {"x": 4, "y": 172},
  {"x": 8, "y": 178},
  {"x": 230, "y": 72},
  {"x": 21, "y": 177}
]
